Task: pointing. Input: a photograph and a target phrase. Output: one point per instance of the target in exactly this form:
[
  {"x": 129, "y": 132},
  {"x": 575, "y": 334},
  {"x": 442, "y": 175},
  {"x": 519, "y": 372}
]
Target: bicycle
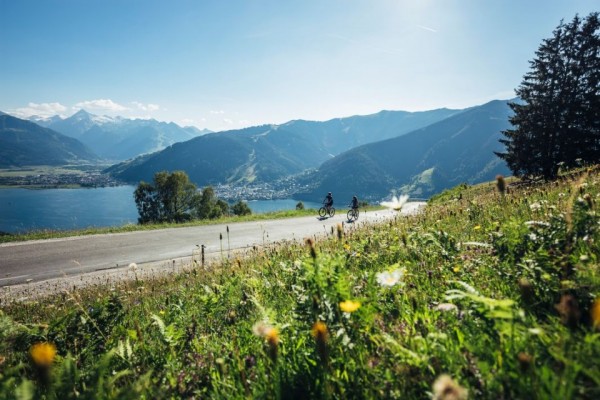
[
  {"x": 352, "y": 214},
  {"x": 323, "y": 211}
]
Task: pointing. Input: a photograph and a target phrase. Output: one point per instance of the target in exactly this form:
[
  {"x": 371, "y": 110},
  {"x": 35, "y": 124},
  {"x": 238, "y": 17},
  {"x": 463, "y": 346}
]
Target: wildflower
[
  {"x": 588, "y": 200},
  {"x": 311, "y": 245},
  {"x": 535, "y": 206},
  {"x": 321, "y": 334},
  {"x": 266, "y": 331},
  {"x": 297, "y": 264},
  {"x": 133, "y": 266},
  {"x": 568, "y": 310},
  {"x": 525, "y": 361},
  {"x": 500, "y": 184},
  {"x": 477, "y": 227},
  {"x": 445, "y": 388},
  {"x": 389, "y": 279},
  {"x": 456, "y": 269},
  {"x": 349, "y": 306},
  {"x": 527, "y": 290},
  {"x": 271, "y": 336},
  {"x": 43, "y": 354},
  {"x": 595, "y": 313},
  {"x": 396, "y": 203}
]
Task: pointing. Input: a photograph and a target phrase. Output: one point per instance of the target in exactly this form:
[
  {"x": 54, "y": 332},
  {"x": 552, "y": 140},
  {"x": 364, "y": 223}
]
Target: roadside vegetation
[
  {"x": 54, "y": 234},
  {"x": 491, "y": 292}
]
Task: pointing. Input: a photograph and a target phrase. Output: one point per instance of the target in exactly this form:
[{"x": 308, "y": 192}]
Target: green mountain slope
[
  {"x": 25, "y": 143},
  {"x": 264, "y": 153},
  {"x": 260, "y": 153},
  {"x": 421, "y": 163}
]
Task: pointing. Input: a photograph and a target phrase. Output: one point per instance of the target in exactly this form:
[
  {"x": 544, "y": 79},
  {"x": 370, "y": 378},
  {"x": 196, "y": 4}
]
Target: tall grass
[{"x": 485, "y": 294}]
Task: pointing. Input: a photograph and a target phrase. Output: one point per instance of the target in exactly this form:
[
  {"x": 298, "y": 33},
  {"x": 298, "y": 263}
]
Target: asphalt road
[{"x": 41, "y": 260}]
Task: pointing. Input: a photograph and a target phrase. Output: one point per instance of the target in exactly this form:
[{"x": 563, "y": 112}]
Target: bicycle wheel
[
  {"x": 322, "y": 212},
  {"x": 356, "y": 212},
  {"x": 350, "y": 215},
  {"x": 331, "y": 211}
]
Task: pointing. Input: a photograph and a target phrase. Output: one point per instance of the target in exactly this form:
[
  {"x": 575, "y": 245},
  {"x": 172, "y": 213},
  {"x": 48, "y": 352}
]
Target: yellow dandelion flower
[
  {"x": 272, "y": 336},
  {"x": 43, "y": 354},
  {"x": 320, "y": 332},
  {"x": 595, "y": 311},
  {"x": 456, "y": 268},
  {"x": 477, "y": 227},
  {"x": 347, "y": 246},
  {"x": 349, "y": 306}
]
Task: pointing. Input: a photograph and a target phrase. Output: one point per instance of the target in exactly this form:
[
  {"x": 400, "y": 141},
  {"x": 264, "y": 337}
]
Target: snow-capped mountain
[{"x": 118, "y": 138}]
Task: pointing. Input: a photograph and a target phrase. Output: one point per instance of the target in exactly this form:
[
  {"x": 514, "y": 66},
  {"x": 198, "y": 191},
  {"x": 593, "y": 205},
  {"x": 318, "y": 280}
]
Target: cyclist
[
  {"x": 354, "y": 203},
  {"x": 328, "y": 201}
]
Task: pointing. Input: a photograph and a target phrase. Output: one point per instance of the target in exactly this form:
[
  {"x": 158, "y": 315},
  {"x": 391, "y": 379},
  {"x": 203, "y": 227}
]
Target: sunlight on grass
[{"x": 485, "y": 294}]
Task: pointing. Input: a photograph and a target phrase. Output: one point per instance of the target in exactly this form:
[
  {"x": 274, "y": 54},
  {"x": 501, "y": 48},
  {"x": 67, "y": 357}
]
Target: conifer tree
[{"x": 557, "y": 119}]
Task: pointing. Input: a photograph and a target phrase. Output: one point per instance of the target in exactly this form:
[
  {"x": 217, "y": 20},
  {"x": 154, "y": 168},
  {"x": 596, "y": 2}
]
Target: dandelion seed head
[{"x": 445, "y": 388}]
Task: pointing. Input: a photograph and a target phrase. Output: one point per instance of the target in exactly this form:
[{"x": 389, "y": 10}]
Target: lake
[{"x": 23, "y": 210}]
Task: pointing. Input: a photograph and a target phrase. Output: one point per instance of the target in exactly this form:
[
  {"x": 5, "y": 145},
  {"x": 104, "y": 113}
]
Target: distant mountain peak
[{"x": 82, "y": 113}]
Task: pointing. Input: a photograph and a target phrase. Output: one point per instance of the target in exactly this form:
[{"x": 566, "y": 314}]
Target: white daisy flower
[{"x": 396, "y": 203}]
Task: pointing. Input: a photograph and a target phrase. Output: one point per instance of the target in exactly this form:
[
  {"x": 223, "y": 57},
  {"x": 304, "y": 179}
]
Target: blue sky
[{"x": 229, "y": 64}]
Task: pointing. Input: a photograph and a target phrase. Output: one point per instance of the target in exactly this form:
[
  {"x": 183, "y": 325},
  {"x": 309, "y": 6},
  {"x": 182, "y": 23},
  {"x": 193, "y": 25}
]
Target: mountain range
[
  {"x": 24, "y": 143},
  {"x": 419, "y": 153},
  {"x": 117, "y": 138},
  {"x": 457, "y": 149},
  {"x": 270, "y": 152},
  {"x": 415, "y": 153}
]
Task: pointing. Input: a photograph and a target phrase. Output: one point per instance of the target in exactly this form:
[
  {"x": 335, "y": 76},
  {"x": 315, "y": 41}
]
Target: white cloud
[
  {"x": 100, "y": 105},
  {"x": 244, "y": 122},
  {"x": 41, "y": 110},
  {"x": 216, "y": 112},
  {"x": 228, "y": 121},
  {"x": 427, "y": 28},
  {"x": 146, "y": 107}
]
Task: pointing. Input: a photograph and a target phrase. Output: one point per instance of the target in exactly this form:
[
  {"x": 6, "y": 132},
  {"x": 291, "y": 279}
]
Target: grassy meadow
[{"x": 486, "y": 294}]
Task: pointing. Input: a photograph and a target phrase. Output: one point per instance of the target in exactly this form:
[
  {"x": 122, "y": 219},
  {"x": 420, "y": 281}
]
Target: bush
[{"x": 241, "y": 208}]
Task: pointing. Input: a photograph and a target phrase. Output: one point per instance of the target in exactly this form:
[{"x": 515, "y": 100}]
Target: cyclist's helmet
[
  {"x": 329, "y": 193},
  {"x": 354, "y": 197}
]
